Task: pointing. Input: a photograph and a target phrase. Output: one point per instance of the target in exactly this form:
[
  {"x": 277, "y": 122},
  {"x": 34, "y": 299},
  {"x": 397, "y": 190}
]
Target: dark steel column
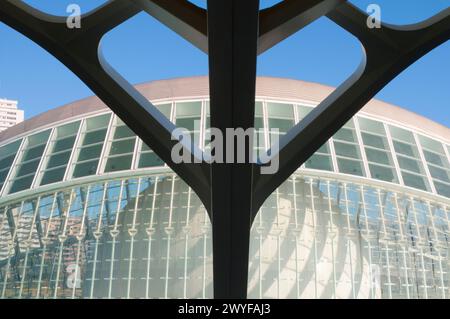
[{"x": 233, "y": 39}]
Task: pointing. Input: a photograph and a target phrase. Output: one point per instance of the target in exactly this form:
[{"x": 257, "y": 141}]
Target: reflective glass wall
[
  {"x": 147, "y": 237},
  {"x": 150, "y": 237},
  {"x": 87, "y": 210}
]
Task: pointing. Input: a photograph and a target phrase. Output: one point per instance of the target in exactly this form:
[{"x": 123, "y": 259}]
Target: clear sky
[{"x": 142, "y": 50}]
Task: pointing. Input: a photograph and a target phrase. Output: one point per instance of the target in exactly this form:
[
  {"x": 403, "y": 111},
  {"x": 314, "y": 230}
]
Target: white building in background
[{"x": 10, "y": 115}]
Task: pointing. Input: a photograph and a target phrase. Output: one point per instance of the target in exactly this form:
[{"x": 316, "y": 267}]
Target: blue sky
[{"x": 142, "y": 50}]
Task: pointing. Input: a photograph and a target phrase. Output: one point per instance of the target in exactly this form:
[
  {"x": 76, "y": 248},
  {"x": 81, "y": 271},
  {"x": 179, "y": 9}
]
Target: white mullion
[
  {"x": 9, "y": 259},
  {"x": 381, "y": 210},
  {"x": 447, "y": 153},
  {"x": 260, "y": 275},
  {"x": 446, "y": 217},
  {"x": 97, "y": 234},
  {"x": 107, "y": 145},
  {"x": 44, "y": 158},
  {"x": 393, "y": 154},
  {"x": 386, "y": 246},
  {"x": 205, "y": 223},
  {"x": 114, "y": 232},
  {"x": 4, "y": 218},
  {"x": 132, "y": 232},
  {"x": 150, "y": 232},
  {"x": 430, "y": 212},
  {"x": 277, "y": 192},
  {"x": 361, "y": 148},
  {"x": 71, "y": 162},
  {"x": 414, "y": 212},
  {"x": 441, "y": 277},
  {"x": 422, "y": 261},
  {"x": 80, "y": 237},
  {"x": 368, "y": 238},
  {"x": 45, "y": 241},
  {"x": 172, "y": 118},
  {"x": 333, "y": 155},
  {"x": 399, "y": 217},
  {"x": 296, "y": 234},
  {"x": 62, "y": 237},
  {"x": 169, "y": 230},
  {"x": 186, "y": 243},
  {"x": 266, "y": 127},
  {"x": 313, "y": 211},
  {"x": 27, "y": 244},
  {"x": 424, "y": 163},
  {"x": 136, "y": 153},
  {"x": 13, "y": 239},
  {"x": 352, "y": 275},
  {"x": 330, "y": 208},
  {"x": 201, "y": 142},
  {"x": 13, "y": 167},
  {"x": 403, "y": 243}
]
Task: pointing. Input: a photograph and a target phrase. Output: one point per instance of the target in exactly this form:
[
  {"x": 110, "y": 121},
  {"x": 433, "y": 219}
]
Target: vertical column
[{"x": 232, "y": 41}]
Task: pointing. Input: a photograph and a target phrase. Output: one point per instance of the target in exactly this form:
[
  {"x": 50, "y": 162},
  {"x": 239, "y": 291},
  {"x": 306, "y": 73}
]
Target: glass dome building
[{"x": 89, "y": 211}]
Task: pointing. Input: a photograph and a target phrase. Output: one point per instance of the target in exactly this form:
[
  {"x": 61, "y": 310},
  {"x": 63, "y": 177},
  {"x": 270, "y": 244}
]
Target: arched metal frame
[{"x": 233, "y": 33}]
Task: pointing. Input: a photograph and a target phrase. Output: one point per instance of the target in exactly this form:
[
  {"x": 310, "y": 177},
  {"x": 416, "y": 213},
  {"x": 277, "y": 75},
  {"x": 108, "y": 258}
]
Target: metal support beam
[
  {"x": 289, "y": 16},
  {"x": 233, "y": 32},
  {"x": 183, "y": 17},
  {"x": 388, "y": 51},
  {"x": 78, "y": 49},
  {"x": 233, "y": 37}
]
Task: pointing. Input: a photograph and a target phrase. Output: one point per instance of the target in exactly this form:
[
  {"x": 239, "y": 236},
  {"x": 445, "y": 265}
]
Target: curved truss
[{"x": 233, "y": 33}]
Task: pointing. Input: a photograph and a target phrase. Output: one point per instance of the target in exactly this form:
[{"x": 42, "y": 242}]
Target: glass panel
[
  {"x": 58, "y": 155},
  {"x": 150, "y": 159},
  {"x": 132, "y": 238},
  {"x": 188, "y": 116},
  {"x": 90, "y": 146},
  {"x": 377, "y": 156},
  {"x": 401, "y": 134},
  {"x": 347, "y": 150},
  {"x": 7, "y": 156},
  {"x": 120, "y": 163},
  {"x": 85, "y": 169},
  {"x": 281, "y": 117},
  {"x": 322, "y": 158},
  {"x": 397, "y": 246},
  {"x": 122, "y": 148},
  {"x": 438, "y": 164},
  {"x": 353, "y": 167},
  {"x": 259, "y": 142},
  {"x": 53, "y": 176},
  {"x": 382, "y": 173},
  {"x": 30, "y": 158},
  {"x": 321, "y": 162},
  {"x": 346, "y": 146},
  {"x": 408, "y": 157},
  {"x": 165, "y": 109},
  {"x": 415, "y": 181}
]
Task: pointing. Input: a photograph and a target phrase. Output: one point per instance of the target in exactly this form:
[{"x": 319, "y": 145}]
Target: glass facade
[{"x": 87, "y": 210}]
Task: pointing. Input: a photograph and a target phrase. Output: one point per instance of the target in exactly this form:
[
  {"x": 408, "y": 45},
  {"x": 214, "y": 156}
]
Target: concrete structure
[
  {"x": 87, "y": 210},
  {"x": 10, "y": 115}
]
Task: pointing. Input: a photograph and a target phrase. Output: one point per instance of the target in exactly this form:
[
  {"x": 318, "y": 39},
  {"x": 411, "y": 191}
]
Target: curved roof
[{"x": 268, "y": 87}]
